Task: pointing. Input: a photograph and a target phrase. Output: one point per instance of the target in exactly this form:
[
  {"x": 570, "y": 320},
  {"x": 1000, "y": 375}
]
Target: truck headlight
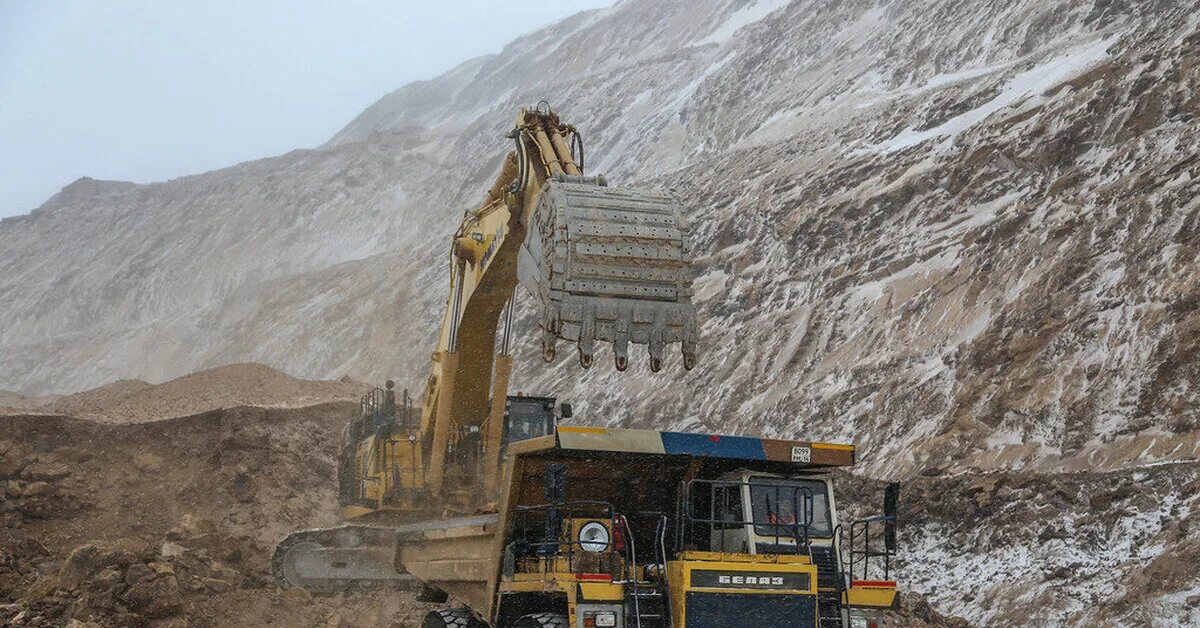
[
  {"x": 599, "y": 619},
  {"x": 593, "y": 537}
]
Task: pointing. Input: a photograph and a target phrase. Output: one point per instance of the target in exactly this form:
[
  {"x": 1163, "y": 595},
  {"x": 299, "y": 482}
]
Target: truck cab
[{"x": 756, "y": 512}]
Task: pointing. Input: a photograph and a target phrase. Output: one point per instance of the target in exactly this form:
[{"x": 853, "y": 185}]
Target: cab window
[
  {"x": 778, "y": 503},
  {"x": 727, "y": 507},
  {"x": 527, "y": 418}
]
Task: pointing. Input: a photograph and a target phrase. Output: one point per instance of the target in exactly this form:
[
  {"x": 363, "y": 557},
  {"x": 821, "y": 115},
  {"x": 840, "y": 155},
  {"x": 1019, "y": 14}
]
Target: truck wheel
[
  {"x": 542, "y": 620},
  {"x": 452, "y": 618}
]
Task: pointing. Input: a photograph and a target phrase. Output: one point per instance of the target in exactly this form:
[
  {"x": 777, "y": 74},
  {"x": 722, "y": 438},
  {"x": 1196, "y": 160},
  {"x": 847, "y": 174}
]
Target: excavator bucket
[{"x": 610, "y": 264}]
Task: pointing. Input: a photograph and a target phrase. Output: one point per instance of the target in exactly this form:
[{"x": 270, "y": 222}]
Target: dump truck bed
[{"x": 600, "y": 440}]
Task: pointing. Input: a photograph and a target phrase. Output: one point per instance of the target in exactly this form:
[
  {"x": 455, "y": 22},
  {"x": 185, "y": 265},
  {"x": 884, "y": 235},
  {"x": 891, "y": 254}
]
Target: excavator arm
[{"x": 604, "y": 264}]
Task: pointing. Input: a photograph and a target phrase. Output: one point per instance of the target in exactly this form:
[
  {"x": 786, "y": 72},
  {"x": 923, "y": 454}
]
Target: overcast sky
[{"x": 150, "y": 90}]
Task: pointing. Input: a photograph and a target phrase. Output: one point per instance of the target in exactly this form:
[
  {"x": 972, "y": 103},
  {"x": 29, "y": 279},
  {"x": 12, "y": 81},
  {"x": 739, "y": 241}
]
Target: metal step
[
  {"x": 829, "y": 608},
  {"x": 649, "y": 610},
  {"x": 829, "y": 583},
  {"x": 826, "y": 562}
]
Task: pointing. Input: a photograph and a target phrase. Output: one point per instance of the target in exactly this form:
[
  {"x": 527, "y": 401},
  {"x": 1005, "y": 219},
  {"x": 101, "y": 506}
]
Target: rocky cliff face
[{"x": 961, "y": 235}]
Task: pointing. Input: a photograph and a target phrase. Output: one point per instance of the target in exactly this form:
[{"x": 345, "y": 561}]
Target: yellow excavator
[
  {"x": 603, "y": 263},
  {"x": 484, "y": 498}
]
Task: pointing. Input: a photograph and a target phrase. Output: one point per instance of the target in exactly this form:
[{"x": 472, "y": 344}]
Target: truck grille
[{"x": 722, "y": 610}]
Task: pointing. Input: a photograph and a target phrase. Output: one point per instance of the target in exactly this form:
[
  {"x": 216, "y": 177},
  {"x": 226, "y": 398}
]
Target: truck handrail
[
  {"x": 860, "y": 531},
  {"x": 556, "y": 513}
]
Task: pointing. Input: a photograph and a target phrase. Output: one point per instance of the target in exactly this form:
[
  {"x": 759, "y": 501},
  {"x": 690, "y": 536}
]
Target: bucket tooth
[
  {"x": 550, "y": 320},
  {"x": 689, "y": 361},
  {"x": 655, "y": 348},
  {"x": 621, "y": 341},
  {"x": 688, "y": 346},
  {"x": 548, "y": 340},
  {"x": 621, "y": 354},
  {"x": 587, "y": 337}
]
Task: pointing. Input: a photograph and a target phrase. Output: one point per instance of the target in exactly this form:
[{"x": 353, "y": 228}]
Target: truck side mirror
[
  {"x": 565, "y": 408},
  {"x": 891, "y": 500}
]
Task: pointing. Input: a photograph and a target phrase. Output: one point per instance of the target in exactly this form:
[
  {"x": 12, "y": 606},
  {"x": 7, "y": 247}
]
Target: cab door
[{"x": 731, "y": 534}]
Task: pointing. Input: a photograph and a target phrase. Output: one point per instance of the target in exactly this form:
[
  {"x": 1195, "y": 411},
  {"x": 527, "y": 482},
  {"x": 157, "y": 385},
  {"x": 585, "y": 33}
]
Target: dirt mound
[
  {"x": 196, "y": 575},
  {"x": 14, "y": 403},
  {"x": 132, "y": 401},
  {"x": 97, "y": 401},
  {"x": 170, "y": 522},
  {"x": 260, "y": 470}
]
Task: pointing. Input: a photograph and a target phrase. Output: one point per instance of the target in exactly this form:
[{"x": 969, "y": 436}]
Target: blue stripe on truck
[{"x": 742, "y": 447}]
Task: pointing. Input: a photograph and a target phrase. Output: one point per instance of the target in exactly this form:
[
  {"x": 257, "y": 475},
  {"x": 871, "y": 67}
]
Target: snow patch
[
  {"x": 1029, "y": 83},
  {"x": 942, "y": 80},
  {"x": 873, "y": 290},
  {"x": 642, "y": 97},
  {"x": 685, "y": 93},
  {"x": 742, "y": 17}
]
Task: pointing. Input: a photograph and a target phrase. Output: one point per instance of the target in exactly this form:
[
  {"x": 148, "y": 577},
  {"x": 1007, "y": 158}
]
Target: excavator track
[
  {"x": 353, "y": 557},
  {"x": 346, "y": 557},
  {"x": 612, "y": 265}
]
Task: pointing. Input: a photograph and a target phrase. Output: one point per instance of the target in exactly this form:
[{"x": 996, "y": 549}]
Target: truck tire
[
  {"x": 542, "y": 620},
  {"x": 452, "y": 618}
]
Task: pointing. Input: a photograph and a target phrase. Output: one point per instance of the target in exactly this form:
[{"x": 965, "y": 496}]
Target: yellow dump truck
[{"x": 633, "y": 528}]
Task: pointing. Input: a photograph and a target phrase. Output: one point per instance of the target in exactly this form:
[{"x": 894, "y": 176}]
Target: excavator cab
[{"x": 530, "y": 417}]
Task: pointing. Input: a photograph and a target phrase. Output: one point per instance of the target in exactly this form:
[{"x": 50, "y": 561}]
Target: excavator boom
[{"x": 605, "y": 265}]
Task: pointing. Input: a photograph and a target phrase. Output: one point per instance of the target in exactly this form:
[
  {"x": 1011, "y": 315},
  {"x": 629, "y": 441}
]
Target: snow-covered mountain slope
[
  {"x": 1077, "y": 549},
  {"x": 960, "y": 235}
]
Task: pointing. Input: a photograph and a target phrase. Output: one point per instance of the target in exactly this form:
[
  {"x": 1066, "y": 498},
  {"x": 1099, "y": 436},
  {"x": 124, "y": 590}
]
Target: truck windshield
[{"x": 777, "y": 501}]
